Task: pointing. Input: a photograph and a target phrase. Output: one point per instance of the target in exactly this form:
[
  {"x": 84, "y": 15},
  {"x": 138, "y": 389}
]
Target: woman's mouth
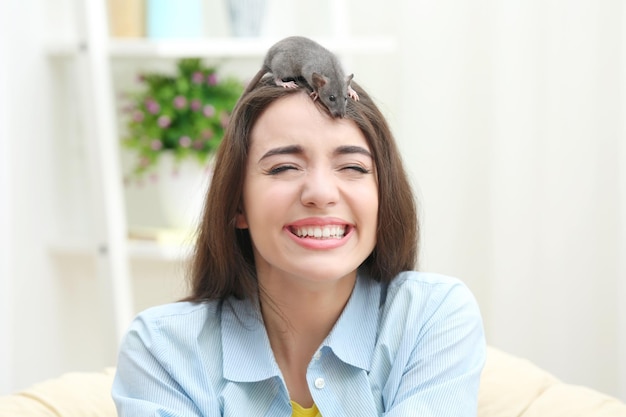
[{"x": 334, "y": 231}]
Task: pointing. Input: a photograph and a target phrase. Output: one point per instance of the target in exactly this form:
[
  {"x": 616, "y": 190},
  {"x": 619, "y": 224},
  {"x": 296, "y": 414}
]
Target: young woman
[{"x": 303, "y": 299}]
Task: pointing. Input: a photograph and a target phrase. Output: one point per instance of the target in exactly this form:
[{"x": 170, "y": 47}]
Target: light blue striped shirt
[{"x": 414, "y": 347}]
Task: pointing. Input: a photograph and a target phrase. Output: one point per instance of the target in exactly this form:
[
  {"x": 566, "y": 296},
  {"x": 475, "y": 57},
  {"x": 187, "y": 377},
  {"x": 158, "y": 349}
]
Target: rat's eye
[{"x": 332, "y": 98}]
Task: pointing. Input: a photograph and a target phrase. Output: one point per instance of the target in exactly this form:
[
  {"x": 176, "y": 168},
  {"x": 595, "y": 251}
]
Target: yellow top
[{"x": 299, "y": 411}]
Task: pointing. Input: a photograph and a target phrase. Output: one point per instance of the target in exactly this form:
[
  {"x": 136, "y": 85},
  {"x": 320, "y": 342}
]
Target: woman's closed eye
[
  {"x": 357, "y": 168},
  {"x": 278, "y": 169},
  {"x": 350, "y": 169}
]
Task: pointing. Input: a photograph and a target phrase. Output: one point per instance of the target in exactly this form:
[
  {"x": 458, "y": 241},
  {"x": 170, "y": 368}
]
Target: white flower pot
[{"x": 182, "y": 187}]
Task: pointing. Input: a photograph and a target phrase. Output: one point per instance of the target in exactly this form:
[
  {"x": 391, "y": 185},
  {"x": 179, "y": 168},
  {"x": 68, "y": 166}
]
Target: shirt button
[
  {"x": 317, "y": 355},
  {"x": 320, "y": 383}
]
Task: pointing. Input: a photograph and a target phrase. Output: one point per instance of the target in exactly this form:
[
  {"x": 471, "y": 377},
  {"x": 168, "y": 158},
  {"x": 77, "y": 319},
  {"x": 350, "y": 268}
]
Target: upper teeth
[{"x": 320, "y": 232}]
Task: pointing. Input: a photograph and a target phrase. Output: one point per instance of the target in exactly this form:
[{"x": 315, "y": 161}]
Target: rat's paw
[{"x": 352, "y": 94}]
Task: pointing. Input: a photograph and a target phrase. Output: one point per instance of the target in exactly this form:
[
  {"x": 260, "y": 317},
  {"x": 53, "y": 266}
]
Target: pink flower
[
  {"x": 164, "y": 121},
  {"x": 138, "y": 116},
  {"x": 198, "y": 144},
  {"x": 196, "y": 104},
  {"x": 211, "y": 79},
  {"x": 185, "y": 141},
  {"x": 152, "y": 106},
  {"x": 156, "y": 144},
  {"x": 180, "y": 102},
  {"x": 208, "y": 110},
  {"x": 197, "y": 77},
  {"x": 207, "y": 134}
]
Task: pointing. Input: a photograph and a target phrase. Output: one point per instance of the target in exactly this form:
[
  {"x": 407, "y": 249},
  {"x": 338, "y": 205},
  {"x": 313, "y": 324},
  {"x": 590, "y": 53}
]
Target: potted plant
[
  {"x": 182, "y": 114},
  {"x": 174, "y": 119}
]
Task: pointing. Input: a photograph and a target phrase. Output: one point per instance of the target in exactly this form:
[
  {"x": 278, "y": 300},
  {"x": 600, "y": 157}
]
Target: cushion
[
  {"x": 515, "y": 387},
  {"x": 76, "y": 394}
]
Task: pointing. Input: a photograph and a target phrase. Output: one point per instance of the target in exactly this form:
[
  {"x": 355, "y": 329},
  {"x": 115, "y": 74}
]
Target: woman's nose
[{"x": 320, "y": 188}]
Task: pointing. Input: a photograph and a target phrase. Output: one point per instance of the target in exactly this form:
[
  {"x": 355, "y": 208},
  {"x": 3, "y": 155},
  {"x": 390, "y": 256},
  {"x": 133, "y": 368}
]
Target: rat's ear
[
  {"x": 349, "y": 78},
  {"x": 319, "y": 81}
]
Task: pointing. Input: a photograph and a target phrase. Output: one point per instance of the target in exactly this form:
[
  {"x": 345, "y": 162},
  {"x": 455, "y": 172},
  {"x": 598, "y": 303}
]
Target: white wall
[
  {"x": 32, "y": 317},
  {"x": 512, "y": 119},
  {"x": 6, "y": 310},
  {"x": 556, "y": 189},
  {"x": 622, "y": 245}
]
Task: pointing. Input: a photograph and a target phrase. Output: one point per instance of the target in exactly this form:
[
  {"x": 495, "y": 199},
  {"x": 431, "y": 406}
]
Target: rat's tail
[{"x": 255, "y": 80}]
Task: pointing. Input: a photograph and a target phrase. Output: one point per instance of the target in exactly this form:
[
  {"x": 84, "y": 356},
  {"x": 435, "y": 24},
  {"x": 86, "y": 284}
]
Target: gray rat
[{"x": 297, "y": 57}]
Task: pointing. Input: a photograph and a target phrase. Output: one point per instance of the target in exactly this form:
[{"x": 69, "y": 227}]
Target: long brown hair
[{"x": 223, "y": 264}]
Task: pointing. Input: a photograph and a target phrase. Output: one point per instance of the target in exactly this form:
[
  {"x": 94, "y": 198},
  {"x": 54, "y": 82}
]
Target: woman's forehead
[{"x": 296, "y": 120}]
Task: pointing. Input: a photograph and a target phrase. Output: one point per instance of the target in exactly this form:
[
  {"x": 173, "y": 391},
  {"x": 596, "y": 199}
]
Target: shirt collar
[
  {"x": 246, "y": 351},
  {"x": 354, "y": 335}
]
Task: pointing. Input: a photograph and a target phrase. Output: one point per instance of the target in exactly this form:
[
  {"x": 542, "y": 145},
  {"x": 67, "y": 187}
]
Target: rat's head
[{"x": 332, "y": 92}]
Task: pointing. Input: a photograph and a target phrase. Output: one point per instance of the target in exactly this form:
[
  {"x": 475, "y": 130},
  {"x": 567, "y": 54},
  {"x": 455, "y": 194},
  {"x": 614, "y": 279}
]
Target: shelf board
[
  {"x": 147, "y": 250},
  {"x": 137, "y": 249},
  {"x": 218, "y": 47}
]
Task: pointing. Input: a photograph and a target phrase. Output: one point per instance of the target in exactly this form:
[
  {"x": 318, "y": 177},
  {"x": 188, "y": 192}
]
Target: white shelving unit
[
  {"x": 94, "y": 52},
  {"x": 218, "y": 47}
]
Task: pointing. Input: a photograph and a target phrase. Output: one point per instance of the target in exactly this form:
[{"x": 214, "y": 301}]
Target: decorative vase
[
  {"x": 174, "y": 19},
  {"x": 182, "y": 187},
  {"x": 246, "y": 17},
  {"x": 126, "y": 18}
]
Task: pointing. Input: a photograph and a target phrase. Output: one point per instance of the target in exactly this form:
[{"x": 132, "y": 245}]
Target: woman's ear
[{"x": 240, "y": 220}]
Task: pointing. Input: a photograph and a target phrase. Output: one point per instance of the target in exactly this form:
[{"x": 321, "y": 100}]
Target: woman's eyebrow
[
  {"x": 350, "y": 149},
  {"x": 297, "y": 149},
  {"x": 283, "y": 150}
]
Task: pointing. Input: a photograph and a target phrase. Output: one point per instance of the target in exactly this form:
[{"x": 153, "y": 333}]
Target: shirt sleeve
[
  {"x": 441, "y": 373},
  {"x": 143, "y": 386}
]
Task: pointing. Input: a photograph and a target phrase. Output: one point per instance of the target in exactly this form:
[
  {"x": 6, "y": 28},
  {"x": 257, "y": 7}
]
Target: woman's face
[{"x": 310, "y": 197}]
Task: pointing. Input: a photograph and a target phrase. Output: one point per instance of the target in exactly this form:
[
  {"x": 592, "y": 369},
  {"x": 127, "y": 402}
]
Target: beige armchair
[{"x": 510, "y": 387}]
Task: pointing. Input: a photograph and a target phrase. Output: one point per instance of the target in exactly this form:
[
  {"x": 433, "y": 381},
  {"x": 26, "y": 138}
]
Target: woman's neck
[
  {"x": 298, "y": 317},
  {"x": 302, "y": 310}
]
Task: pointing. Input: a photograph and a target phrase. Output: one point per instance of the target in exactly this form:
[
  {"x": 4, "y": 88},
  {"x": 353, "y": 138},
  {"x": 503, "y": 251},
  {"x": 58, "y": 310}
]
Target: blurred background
[{"x": 511, "y": 117}]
